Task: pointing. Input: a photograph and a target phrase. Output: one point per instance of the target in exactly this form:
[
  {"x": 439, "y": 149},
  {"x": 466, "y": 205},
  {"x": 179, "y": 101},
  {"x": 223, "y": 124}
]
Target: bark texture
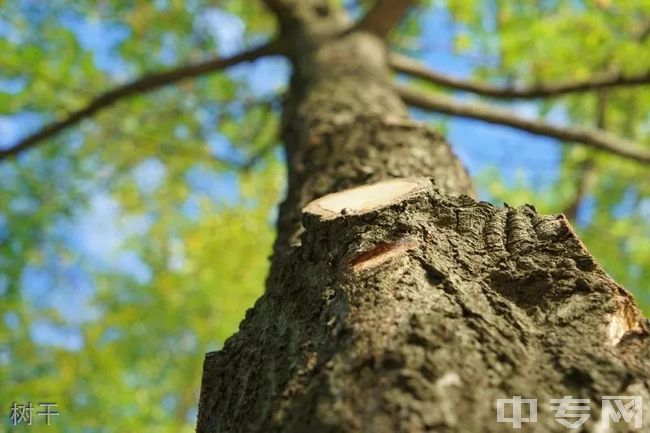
[
  {"x": 415, "y": 313},
  {"x": 345, "y": 126},
  {"x": 416, "y": 316}
]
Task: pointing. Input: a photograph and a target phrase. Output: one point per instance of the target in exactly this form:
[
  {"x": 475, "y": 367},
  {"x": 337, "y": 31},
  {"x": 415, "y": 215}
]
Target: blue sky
[
  {"x": 98, "y": 233},
  {"x": 480, "y": 145}
]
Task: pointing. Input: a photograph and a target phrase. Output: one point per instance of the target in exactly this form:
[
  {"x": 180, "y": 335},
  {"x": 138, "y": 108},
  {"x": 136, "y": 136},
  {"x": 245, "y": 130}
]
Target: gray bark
[{"x": 414, "y": 316}]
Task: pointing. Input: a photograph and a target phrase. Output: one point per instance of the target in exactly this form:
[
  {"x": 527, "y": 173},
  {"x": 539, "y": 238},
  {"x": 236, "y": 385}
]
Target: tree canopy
[{"x": 140, "y": 167}]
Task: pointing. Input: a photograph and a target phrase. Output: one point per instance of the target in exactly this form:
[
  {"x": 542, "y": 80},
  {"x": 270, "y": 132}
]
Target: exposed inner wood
[
  {"x": 381, "y": 253},
  {"x": 625, "y": 319},
  {"x": 355, "y": 201}
]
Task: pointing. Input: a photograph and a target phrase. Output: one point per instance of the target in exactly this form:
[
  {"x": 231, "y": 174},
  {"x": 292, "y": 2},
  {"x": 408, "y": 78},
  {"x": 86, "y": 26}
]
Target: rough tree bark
[{"x": 406, "y": 305}]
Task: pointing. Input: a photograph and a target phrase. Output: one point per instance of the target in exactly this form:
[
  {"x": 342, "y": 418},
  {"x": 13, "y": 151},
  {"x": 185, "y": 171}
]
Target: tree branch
[
  {"x": 384, "y": 16},
  {"x": 417, "y": 69},
  {"x": 595, "y": 138},
  {"x": 644, "y": 33},
  {"x": 141, "y": 85},
  {"x": 279, "y": 8},
  {"x": 587, "y": 178}
]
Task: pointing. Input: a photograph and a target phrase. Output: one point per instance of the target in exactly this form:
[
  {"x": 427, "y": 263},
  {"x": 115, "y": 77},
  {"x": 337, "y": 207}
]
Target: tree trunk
[{"x": 406, "y": 305}]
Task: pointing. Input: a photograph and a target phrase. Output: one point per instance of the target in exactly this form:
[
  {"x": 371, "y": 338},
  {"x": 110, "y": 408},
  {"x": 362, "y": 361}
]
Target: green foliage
[
  {"x": 529, "y": 42},
  {"x": 197, "y": 239},
  {"x": 560, "y": 41},
  {"x": 200, "y": 251}
]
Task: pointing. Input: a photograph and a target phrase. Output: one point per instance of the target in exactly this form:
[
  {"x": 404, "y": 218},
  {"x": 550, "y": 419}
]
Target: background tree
[{"x": 122, "y": 332}]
